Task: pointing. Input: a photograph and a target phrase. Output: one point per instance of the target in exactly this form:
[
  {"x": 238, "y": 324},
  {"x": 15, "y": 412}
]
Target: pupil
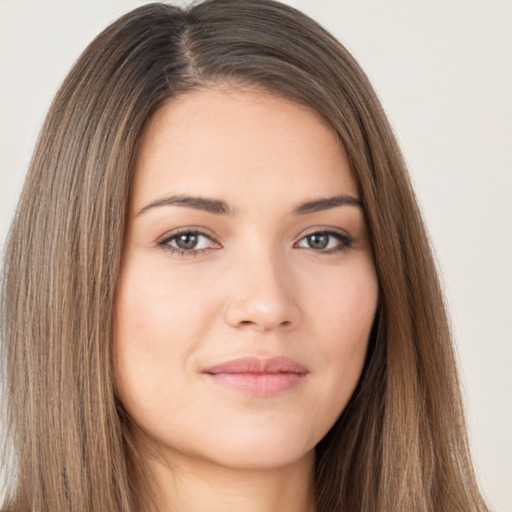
[
  {"x": 318, "y": 241},
  {"x": 186, "y": 241}
]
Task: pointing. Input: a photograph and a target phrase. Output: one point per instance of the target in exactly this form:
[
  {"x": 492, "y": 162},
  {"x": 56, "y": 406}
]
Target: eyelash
[
  {"x": 345, "y": 242},
  {"x": 165, "y": 243}
]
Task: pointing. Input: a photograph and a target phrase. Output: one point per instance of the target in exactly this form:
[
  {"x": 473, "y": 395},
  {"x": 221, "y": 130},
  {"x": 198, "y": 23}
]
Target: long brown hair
[{"x": 399, "y": 445}]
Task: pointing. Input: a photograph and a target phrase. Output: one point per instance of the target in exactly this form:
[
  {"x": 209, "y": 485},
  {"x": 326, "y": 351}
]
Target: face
[{"x": 248, "y": 288}]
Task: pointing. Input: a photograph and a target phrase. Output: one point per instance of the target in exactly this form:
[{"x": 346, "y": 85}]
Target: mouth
[{"x": 260, "y": 377}]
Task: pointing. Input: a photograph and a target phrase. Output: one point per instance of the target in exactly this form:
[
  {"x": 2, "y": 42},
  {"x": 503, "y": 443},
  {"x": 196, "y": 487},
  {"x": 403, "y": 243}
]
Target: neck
[{"x": 199, "y": 486}]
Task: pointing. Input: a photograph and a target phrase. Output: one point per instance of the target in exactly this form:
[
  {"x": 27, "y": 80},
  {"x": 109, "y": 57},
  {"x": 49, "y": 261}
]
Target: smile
[{"x": 259, "y": 377}]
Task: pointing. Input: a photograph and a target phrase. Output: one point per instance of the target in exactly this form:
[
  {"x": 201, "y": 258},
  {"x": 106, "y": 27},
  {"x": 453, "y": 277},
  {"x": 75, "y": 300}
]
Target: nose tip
[
  {"x": 261, "y": 314},
  {"x": 263, "y": 302}
]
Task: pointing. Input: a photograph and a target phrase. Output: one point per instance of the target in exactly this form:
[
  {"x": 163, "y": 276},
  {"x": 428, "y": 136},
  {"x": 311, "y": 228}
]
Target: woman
[{"x": 218, "y": 290}]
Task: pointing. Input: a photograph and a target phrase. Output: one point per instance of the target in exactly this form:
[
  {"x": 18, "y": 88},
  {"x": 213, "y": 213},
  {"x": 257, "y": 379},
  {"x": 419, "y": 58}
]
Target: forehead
[{"x": 239, "y": 143}]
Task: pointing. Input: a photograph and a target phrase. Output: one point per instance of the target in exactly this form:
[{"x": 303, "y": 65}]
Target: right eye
[{"x": 188, "y": 243}]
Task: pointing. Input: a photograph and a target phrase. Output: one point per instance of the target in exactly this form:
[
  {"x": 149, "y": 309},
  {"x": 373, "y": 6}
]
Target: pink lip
[{"x": 261, "y": 377}]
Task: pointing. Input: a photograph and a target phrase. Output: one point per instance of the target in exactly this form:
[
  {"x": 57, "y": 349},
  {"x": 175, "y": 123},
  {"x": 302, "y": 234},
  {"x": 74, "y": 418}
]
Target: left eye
[{"x": 325, "y": 241}]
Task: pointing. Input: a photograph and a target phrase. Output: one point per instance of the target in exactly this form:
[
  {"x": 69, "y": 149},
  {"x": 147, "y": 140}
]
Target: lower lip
[{"x": 259, "y": 384}]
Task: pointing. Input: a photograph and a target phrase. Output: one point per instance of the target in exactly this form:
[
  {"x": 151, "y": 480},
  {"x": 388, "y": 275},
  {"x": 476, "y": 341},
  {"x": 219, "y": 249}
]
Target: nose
[{"x": 262, "y": 297}]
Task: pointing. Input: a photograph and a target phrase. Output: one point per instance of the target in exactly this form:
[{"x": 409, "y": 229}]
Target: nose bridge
[{"x": 262, "y": 295}]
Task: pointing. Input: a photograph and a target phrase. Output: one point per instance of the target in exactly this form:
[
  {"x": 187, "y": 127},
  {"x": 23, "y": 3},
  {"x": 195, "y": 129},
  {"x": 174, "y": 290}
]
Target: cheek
[
  {"x": 159, "y": 321},
  {"x": 155, "y": 310},
  {"x": 343, "y": 318},
  {"x": 343, "y": 306}
]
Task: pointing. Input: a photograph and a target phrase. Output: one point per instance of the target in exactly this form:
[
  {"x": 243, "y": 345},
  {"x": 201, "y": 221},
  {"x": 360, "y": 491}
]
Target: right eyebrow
[
  {"x": 219, "y": 207},
  {"x": 216, "y": 206}
]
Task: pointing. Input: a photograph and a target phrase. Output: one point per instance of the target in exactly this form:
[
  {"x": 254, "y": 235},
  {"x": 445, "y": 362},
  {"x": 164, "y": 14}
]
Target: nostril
[
  {"x": 261, "y": 315},
  {"x": 248, "y": 323}
]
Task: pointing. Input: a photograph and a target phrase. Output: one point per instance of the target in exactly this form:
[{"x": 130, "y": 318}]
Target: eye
[
  {"x": 325, "y": 241},
  {"x": 188, "y": 242}
]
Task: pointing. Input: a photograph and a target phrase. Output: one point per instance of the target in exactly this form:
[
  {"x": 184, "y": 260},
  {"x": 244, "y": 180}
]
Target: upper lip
[{"x": 258, "y": 365}]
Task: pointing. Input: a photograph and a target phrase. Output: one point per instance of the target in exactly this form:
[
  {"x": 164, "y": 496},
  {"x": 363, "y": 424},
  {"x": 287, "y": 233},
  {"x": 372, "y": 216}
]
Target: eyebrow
[
  {"x": 327, "y": 203},
  {"x": 219, "y": 207},
  {"x": 198, "y": 203}
]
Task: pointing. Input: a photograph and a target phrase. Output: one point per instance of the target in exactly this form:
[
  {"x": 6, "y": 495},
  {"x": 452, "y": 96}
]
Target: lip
[{"x": 258, "y": 376}]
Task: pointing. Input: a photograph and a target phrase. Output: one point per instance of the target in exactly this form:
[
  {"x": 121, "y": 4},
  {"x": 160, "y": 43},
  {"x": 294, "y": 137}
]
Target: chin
[
  {"x": 257, "y": 448},
  {"x": 259, "y": 456}
]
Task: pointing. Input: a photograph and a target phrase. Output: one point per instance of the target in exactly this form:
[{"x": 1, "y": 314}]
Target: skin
[{"x": 254, "y": 285}]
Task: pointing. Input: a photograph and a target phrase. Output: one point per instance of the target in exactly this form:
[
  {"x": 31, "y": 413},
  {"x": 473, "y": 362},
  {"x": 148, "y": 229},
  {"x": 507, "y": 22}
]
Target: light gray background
[{"x": 443, "y": 70}]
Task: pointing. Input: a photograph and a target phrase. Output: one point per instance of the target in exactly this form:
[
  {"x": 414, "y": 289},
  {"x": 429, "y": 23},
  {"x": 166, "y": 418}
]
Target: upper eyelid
[
  {"x": 202, "y": 231},
  {"x": 189, "y": 229},
  {"x": 165, "y": 242},
  {"x": 205, "y": 231},
  {"x": 344, "y": 238},
  {"x": 330, "y": 231}
]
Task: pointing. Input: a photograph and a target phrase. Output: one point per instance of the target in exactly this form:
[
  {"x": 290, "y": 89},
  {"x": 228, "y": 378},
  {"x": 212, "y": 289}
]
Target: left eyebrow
[
  {"x": 326, "y": 204},
  {"x": 218, "y": 206}
]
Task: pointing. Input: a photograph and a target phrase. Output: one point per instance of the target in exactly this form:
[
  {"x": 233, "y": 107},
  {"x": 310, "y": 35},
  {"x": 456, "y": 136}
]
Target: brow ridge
[
  {"x": 219, "y": 207},
  {"x": 327, "y": 203},
  {"x": 215, "y": 206}
]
